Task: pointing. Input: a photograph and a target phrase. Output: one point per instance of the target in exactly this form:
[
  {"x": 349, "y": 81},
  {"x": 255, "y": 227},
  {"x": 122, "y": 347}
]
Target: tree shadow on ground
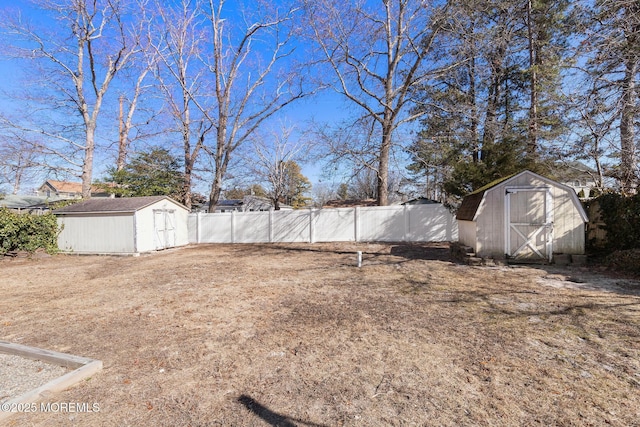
[
  {"x": 432, "y": 251},
  {"x": 271, "y": 417}
]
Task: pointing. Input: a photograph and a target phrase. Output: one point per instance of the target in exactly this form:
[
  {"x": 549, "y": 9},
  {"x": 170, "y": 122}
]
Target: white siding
[
  {"x": 467, "y": 233},
  {"x": 96, "y": 234},
  {"x": 491, "y": 224},
  {"x": 145, "y": 226}
]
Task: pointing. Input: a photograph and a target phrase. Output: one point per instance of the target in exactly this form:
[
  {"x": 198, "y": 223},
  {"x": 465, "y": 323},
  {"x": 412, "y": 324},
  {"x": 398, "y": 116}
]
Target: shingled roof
[
  {"x": 115, "y": 205},
  {"x": 471, "y": 202}
]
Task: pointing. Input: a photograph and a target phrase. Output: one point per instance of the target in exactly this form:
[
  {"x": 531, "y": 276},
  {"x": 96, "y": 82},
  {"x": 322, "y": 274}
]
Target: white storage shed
[
  {"x": 130, "y": 225},
  {"x": 525, "y": 217}
]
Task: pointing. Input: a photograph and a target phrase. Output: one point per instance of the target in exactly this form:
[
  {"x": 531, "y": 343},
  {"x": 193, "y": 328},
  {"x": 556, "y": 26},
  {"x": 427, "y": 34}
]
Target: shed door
[
  {"x": 529, "y": 225},
  {"x": 164, "y": 227}
]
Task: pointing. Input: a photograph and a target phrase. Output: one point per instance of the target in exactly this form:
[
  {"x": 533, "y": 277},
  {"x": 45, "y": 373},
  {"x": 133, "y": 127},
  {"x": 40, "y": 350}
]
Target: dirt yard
[{"x": 298, "y": 335}]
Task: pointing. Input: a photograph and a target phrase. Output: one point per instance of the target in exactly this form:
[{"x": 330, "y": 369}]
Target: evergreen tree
[
  {"x": 497, "y": 108},
  {"x": 151, "y": 173}
]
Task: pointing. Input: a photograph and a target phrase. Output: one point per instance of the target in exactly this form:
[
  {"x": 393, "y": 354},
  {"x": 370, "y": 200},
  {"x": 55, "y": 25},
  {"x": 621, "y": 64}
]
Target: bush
[
  {"x": 624, "y": 261},
  {"x": 24, "y": 232},
  {"x": 622, "y": 218}
]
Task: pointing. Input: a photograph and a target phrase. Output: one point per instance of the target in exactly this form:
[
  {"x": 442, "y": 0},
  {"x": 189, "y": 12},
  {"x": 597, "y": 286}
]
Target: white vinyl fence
[{"x": 419, "y": 223}]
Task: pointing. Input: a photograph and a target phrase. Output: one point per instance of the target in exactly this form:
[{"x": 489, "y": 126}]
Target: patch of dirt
[{"x": 298, "y": 335}]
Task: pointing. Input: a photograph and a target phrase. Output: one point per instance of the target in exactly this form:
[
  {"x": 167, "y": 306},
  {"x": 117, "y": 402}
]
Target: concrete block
[
  {"x": 561, "y": 259},
  {"x": 578, "y": 260}
]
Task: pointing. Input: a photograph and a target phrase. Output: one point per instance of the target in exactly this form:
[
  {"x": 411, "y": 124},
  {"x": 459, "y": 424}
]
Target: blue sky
[{"x": 326, "y": 107}]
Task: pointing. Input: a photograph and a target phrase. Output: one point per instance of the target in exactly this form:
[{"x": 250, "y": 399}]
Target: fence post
[
  {"x": 311, "y": 227},
  {"x": 270, "y": 225},
  {"x": 233, "y": 226},
  {"x": 198, "y": 228},
  {"x": 406, "y": 223},
  {"x": 356, "y": 224}
]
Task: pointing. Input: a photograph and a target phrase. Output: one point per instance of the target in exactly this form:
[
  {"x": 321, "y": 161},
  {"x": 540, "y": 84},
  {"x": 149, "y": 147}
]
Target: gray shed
[
  {"x": 122, "y": 226},
  {"x": 524, "y": 217}
]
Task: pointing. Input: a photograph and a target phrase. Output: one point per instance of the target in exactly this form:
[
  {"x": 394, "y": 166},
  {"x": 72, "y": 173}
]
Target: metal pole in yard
[{"x": 359, "y": 259}]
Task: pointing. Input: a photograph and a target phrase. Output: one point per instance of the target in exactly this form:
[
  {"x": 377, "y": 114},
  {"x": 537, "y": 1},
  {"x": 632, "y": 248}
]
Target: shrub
[
  {"x": 24, "y": 232},
  {"x": 622, "y": 218}
]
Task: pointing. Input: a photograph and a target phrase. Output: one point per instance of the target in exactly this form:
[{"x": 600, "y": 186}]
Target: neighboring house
[
  {"x": 578, "y": 176},
  {"x": 127, "y": 225},
  {"x": 350, "y": 203},
  {"x": 67, "y": 190},
  {"x": 28, "y": 204},
  {"x": 420, "y": 201},
  {"x": 247, "y": 204}
]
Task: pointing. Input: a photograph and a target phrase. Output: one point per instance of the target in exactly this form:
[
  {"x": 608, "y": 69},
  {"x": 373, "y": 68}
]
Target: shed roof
[
  {"x": 115, "y": 205},
  {"x": 471, "y": 202}
]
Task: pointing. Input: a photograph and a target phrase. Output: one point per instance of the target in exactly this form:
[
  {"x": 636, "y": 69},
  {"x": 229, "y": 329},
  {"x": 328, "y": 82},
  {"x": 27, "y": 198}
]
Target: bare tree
[
  {"x": 126, "y": 114},
  {"x": 181, "y": 74},
  {"x": 251, "y": 64},
  {"x": 89, "y": 45},
  {"x": 379, "y": 54},
  {"x": 231, "y": 71},
  {"x": 19, "y": 160},
  {"x": 275, "y": 161}
]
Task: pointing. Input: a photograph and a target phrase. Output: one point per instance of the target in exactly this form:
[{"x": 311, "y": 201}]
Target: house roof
[
  {"x": 349, "y": 203},
  {"x": 23, "y": 202},
  {"x": 71, "y": 187},
  {"x": 471, "y": 203},
  {"x": 421, "y": 201},
  {"x": 230, "y": 202},
  {"x": 249, "y": 202},
  {"x": 573, "y": 170},
  {"x": 113, "y": 205}
]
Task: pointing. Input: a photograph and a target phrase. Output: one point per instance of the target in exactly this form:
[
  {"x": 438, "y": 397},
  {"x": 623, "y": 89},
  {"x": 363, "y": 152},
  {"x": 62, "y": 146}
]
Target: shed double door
[
  {"x": 164, "y": 221},
  {"x": 529, "y": 223}
]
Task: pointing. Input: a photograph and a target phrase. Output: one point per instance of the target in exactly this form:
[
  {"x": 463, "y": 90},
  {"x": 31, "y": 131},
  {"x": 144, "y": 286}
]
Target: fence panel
[
  {"x": 251, "y": 227},
  {"x": 381, "y": 224},
  {"x": 431, "y": 223},
  {"x": 334, "y": 225},
  {"x": 215, "y": 228},
  {"x": 291, "y": 226},
  {"x": 426, "y": 223}
]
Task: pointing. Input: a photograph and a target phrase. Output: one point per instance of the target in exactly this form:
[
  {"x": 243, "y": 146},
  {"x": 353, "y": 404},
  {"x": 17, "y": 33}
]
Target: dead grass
[{"x": 298, "y": 335}]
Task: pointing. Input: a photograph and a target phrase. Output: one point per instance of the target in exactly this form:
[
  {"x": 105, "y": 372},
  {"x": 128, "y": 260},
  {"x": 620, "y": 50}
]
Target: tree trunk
[
  {"x": 471, "y": 70},
  {"x": 628, "y": 166},
  {"x": 491, "y": 116},
  {"x": 532, "y": 144},
  {"x": 186, "y": 186},
  {"x": 87, "y": 164},
  {"x": 383, "y": 166},
  {"x": 122, "y": 139}
]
